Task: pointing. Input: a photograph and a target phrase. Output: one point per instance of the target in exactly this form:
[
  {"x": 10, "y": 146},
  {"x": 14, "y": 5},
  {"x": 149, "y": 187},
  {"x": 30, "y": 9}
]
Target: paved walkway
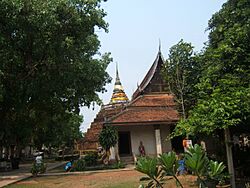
[{"x": 22, "y": 173}]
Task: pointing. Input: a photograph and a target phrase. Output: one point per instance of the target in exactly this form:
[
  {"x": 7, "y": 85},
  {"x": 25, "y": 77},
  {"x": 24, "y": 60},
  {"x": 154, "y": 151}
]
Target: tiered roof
[
  {"x": 148, "y": 109},
  {"x": 153, "y": 81},
  {"x": 151, "y": 103}
]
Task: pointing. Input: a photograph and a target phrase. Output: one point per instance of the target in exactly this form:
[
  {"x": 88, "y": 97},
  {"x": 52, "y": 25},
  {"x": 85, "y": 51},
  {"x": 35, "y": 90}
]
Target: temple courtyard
[{"x": 107, "y": 179}]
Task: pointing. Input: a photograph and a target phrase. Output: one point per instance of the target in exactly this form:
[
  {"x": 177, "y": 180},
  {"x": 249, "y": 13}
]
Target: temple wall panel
[
  {"x": 166, "y": 144},
  {"x": 142, "y": 133}
]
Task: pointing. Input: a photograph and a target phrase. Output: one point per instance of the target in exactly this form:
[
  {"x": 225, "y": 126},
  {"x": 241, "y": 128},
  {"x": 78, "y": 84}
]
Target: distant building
[{"x": 149, "y": 117}]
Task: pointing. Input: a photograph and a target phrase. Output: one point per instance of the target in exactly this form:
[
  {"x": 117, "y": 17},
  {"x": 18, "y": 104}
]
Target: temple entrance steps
[{"x": 127, "y": 159}]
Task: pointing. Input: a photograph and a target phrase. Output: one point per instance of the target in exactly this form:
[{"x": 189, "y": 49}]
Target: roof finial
[
  {"x": 159, "y": 45},
  {"x": 117, "y": 79},
  {"x": 117, "y": 74}
]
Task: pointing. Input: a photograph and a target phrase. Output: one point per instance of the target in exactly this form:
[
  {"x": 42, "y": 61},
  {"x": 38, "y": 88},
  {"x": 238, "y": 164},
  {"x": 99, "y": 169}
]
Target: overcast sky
[{"x": 135, "y": 27}]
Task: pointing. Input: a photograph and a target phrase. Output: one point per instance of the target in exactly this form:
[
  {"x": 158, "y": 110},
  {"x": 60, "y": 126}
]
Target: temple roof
[
  {"x": 148, "y": 109},
  {"x": 150, "y": 77},
  {"x": 118, "y": 96},
  {"x": 153, "y": 100}
]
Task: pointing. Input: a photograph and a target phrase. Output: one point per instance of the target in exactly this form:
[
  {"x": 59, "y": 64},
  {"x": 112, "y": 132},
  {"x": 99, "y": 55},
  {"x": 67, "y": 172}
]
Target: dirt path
[{"x": 92, "y": 180}]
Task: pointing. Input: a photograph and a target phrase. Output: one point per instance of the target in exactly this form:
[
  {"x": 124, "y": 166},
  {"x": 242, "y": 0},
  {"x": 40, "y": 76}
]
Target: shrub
[
  {"x": 196, "y": 161},
  {"x": 118, "y": 165},
  {"x": 91, "y": 159},
  {"x": 79, "y": 165},
  {"x": 38, "y": 168},
  {"x": 150, "y": 167}
]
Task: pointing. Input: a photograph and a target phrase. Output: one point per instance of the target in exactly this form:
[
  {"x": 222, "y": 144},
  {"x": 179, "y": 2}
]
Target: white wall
[
  {"x": 165, "y": 144},
  {"x": 139, "y": 133},
  {"x": 146, "y": 134}
]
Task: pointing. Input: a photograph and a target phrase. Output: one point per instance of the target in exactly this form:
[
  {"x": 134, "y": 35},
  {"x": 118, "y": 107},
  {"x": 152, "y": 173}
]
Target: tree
[
  {"x": 49, "y": 67},
  {"x": 181, "y": 74},
  {"x": 224, "y": 90},
  {"x": 108, "y": 138},
  {"x": 62, "y": 130}
]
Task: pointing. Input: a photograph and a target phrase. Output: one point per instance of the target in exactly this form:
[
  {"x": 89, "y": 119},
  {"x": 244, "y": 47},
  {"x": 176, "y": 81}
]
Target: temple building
[{"x": 148, "y": 118}]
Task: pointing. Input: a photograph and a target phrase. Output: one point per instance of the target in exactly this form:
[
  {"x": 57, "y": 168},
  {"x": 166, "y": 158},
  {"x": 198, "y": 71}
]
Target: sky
[{"x": 135, "y": 29}]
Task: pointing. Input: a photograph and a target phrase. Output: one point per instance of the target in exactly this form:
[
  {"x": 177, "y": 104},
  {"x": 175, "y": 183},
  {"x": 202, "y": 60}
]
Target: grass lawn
[{"x": 121, "y": 179}]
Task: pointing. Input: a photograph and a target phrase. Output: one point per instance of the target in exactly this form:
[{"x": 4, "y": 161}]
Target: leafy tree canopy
[
  {"x": 181, "y": 74},
  {"x": 224, "y": 91},
  {"x": 49, "y": 66},
  {"x": 108, "y": 137}
]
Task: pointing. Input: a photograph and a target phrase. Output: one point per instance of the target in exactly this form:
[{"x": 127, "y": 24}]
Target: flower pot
[{"x": 211, "y": 183}]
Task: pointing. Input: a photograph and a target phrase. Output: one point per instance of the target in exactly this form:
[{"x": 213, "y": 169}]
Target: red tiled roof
[
  {"x": 154, "y": 100},
  {"x": 148, "y": 109},
  {"x": 148, "y": 115}
]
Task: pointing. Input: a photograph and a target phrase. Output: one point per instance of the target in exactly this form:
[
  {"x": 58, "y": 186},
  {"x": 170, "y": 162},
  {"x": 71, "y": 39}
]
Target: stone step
[{"x": 127, "y": 159}]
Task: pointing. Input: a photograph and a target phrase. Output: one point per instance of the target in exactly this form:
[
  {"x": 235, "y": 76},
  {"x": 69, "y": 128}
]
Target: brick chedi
[
  {"x": 118, "y": 100},
  {"x": 119, "y": 95}
]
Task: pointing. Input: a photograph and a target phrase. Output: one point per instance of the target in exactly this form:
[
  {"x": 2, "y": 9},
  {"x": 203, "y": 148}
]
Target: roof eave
[{"x": 169, "y": 122}]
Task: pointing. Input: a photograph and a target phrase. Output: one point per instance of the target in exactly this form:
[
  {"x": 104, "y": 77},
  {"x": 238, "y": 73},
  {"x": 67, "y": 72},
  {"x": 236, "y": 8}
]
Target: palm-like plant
[
  {"x": 197, "y": 161},
  {"x": 150, "y": 167},
  {"x": 170, "y": 165},
  {"x": 215, "y": 169}
]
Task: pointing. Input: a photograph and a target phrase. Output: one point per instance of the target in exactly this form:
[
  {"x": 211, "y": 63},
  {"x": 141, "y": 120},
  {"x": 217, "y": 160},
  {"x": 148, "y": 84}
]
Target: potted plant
[
  {"x": 223, "y": 181},
  {"x": 215, "y": 173}
]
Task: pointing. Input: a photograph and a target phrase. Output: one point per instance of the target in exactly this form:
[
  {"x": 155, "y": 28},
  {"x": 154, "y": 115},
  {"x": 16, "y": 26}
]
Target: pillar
[
  {"x": 112, "y": 153},
  {"x": 158, "y": 142}
]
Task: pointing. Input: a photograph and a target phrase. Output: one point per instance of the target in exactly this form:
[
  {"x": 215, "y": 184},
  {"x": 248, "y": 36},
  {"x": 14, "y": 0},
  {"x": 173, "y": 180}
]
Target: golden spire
[{"x": 118, "y": 95}]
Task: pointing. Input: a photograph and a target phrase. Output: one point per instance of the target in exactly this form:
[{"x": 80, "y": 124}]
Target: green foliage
[
  {"x": 216, "y": 170},
  {"x": 118, "y": 165},
  {"x": 49, "y": 68},
  {"x": 223, "y": 89},
  {"x": 79, "y": 165},
  {"x": 108, "y": 137},
  {"x": 166, "y": 164},
  {"x": 150, "y": 167},
  {"x": 181, "y": 72},
  {"x": 91, "y": 159},
  {"x": 196, "y": 160},
  {"x": 169, "y": 163},
  {"x": 38, "y": 168}
]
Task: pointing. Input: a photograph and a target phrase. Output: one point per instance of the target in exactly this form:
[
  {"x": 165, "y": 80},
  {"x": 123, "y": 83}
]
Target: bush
[
  {"x": 79, "y": 165},
  {"x": 38, "y": 168},
  {"x": 118, "y": 165},
  {"x": 91, "y": 159}
]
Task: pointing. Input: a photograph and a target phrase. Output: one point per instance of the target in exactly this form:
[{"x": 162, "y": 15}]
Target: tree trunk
[
  {"x": 12, "y": 151},
  {"x": 183, "y": 107},
  {"x": 1, "y": 152},
  {"x": 230, "y": 164}
]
